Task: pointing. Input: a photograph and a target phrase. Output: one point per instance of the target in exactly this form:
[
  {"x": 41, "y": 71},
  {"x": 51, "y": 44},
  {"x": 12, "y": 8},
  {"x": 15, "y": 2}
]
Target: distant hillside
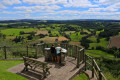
[{"x": 32, "y": 20}]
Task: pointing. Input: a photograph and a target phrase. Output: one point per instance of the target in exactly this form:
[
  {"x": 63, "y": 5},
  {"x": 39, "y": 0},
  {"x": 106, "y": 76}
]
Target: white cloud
[
  {"x": 2, "y": 6},
  {"x": 103, "y": 9},
  {"x": 80, "y": 3},
  {"x": 106, "y": 2},
  {"x": 27, "y": 15},
  {"x": 10, "y": 2},
  {"x": 45, "y": 2},
  {"x": 3, "y": 3},
  {"x": 113, "y": 7},
  {"x": 38, "y": 8}
]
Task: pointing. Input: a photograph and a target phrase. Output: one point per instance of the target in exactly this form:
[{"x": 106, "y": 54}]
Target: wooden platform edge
[{"x": 81, "y": 68}]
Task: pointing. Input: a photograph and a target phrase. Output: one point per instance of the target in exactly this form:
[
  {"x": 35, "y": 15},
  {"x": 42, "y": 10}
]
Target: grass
[
  {"x": 54, "y": 33},
  {"x": 99, "y": 31},
  {"x": 102, "y": 43},
  {"x": 119, "y": 33},
  {"x": 47, "y": 39},
  {"x": 5, "y": 75},
  {"x": 99, "y": 52},
  {"x": 85, "y": 30},
  {"x": 75, "y": 26},
  {"x": 57, "y": 28},
  {"x": 81, "y": 77},
  {"x": 92, "y": 38},
  {"x": 69, "y": 32},
  {"x": 42, "y": 29},
  {"x": 56, "y": 24},
  {"x": 16, "y": 31},
  {"x": 109, "y": 76},
  {"x": 76, "y": 36}
]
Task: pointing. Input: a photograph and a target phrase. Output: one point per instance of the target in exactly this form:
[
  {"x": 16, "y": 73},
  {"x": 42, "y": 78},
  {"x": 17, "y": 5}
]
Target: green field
[
  {"x": 5, "y": 75},
  {"x": 56, "y": 24},
  {"x": 92, "y": 38},
  {"x": 15, "y": 31},
  {"x": 81, "y": 77},
  {"x": 99, "y": 31},
  {"x": 99, "y": 52},
  {"x": 54, "y": 33},
  {"x": 85, "y": 30},
  {"x": 76, "y": 36},
  {"x": 69, "y": 32},
  {"x": 102, "y": 43}
]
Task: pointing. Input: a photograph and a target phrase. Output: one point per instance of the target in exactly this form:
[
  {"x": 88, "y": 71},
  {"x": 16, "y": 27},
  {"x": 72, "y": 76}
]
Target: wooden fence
[{"x": 96, "y": 71}]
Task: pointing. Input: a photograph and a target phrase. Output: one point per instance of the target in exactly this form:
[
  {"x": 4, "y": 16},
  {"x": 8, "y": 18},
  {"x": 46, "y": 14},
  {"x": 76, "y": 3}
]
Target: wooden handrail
[
  {"x": 94, "y": 71},
  {"x": 96, "y": 65},
  {"x": 103, "y": 76}
]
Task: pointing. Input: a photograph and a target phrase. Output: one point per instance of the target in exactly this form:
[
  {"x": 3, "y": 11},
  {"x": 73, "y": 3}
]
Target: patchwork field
[
  {"x": 102, "y": 43},
  {"x": 76, "y": 36},
  {"x": 16, "y": 31},
  {"x": 92, "y": 38},
  {"x": 99, "y": 52},
  {"x": 69, "y": 32}
]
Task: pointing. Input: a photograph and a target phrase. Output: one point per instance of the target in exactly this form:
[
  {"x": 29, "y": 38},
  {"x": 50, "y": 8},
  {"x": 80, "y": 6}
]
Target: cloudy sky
[{"x": 59, "y": 9}]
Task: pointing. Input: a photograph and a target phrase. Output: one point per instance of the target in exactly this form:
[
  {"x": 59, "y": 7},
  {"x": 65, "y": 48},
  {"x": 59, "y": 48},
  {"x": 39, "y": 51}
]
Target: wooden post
[
  {"x": 83, "y": 55},
  {"x": 100, "y": 76},
  {"x": 67, "y": 49},
  {"x": 92, "y": 68},
  {"x": 27, "y": 50},
  {"x": 76, "y": 52},
  {"x": 43, "y": 48},
  {"x": 36, "y": 52},
  {"x": 78, "y": 59},
  {"x": 85, "y": 61},
  {"x": 5, "y": 52},
  {"x": 72, "y": 50}
]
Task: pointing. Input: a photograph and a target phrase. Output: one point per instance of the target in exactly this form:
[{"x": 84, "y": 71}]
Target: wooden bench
[{"x": 34, "y": 63}]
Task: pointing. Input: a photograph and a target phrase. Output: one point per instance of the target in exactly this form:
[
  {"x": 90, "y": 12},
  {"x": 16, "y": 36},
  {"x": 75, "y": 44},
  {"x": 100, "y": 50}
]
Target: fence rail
[{"x": 96, "y": 71}]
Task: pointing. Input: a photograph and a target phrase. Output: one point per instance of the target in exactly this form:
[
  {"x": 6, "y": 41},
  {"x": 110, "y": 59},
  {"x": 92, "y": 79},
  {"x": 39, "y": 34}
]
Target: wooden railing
[{"x": 96, "y": 71}]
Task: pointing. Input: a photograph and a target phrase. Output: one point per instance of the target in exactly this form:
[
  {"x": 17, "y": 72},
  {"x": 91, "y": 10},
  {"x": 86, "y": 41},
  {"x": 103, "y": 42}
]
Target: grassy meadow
[
  {"x": 5, "y": 75},
  {"x": 16, "y": 31},
  {"x": 81, "y": 77},
  {"x": 102, "y": 43}
]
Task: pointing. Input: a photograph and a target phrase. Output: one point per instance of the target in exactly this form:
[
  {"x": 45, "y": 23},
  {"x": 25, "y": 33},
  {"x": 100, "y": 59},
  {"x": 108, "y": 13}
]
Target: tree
[
  {"x": 41, "y": 35},
  {"x": 30, "y": 37}
]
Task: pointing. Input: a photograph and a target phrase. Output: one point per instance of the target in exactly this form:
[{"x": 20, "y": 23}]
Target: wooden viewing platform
[
  {"x": 57, "y": 72},
  {"x": 76, "y": 61}
]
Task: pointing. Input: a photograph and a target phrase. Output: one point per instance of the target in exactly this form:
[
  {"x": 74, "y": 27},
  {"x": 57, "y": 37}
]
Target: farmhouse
[{"x": 114, "y": 42}]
